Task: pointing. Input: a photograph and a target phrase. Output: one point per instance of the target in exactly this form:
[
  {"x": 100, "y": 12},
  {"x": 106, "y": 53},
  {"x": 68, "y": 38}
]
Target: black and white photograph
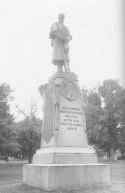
[{"x": 62, "y": 96}]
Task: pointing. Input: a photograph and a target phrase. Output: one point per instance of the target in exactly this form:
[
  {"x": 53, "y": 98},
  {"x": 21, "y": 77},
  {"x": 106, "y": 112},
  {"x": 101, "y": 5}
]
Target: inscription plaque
[{"x": 71, "y": 116}]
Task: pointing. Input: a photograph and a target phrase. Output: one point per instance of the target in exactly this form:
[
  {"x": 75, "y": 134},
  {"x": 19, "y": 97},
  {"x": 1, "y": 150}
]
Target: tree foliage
[
  {"x": 29, "y": 134},
  {"x": 105, "y": 109},
  {"x": 7, "y": 136}
]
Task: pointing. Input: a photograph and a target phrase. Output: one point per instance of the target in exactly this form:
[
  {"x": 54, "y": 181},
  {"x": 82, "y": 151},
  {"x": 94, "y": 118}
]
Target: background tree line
[
  {"x": 105, "y": 118},
  {"x": 17, "y": 139}
]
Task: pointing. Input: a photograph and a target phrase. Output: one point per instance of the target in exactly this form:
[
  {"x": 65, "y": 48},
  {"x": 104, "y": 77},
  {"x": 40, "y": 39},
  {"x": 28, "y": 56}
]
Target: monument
[{"x": 64, "y": 160}]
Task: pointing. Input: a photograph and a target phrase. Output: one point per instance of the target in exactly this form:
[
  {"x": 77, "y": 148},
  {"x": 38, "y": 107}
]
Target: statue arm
[
  {"x": 63, "y": 35},
  {"x": 53, "y": 31},
  {"x": 52, "y": 35}
]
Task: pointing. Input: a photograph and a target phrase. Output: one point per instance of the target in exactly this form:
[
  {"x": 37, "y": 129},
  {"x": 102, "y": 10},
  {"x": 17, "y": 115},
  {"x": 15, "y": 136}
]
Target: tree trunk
[
  {"x": 108, "y": 155},
  {"x": 30, "y": 157},
  {"x": 112, "y": 152}
]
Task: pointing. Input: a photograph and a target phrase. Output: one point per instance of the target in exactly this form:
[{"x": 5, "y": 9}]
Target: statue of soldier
[{"x": 60, "y": 37}]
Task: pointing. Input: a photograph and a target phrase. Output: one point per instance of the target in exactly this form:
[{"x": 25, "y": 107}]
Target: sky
[{"x": 26, "y": 53}]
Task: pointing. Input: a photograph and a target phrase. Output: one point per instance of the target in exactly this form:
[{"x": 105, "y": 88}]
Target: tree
[
  {"x": 110, "y": 91},
  {"x": 6, "y": 119},
  {"x": 121, "y": 138},
  {"x": 29, "y": 134},
  {"x": 93, "y": 111},
  {"x": 104, "y": 109},
  {"x": 121, "y": 127}
]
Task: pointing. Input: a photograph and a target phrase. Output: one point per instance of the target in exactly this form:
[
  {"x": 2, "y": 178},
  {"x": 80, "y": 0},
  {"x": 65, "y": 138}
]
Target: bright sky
[{"x": 25, "y": 51}]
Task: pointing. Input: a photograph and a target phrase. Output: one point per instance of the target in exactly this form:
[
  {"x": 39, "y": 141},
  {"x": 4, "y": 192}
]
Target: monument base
[
  {"x": 65, "y": 155},
  {"x": 66, "y": 176},
  {"x": 65, "y": 160}
]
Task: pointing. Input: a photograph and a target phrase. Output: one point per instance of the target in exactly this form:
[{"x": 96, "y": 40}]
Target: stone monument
[{"x": 64, "y": 160}]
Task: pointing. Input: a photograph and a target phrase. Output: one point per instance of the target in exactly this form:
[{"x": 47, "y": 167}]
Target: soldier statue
[{"x": 60, "y": 37}]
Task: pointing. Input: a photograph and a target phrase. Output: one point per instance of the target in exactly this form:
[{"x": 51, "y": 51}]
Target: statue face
[{"x": 61, "y": 18}]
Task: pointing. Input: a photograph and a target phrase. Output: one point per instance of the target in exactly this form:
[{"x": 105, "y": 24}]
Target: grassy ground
[{"x": 11, "y": 179}]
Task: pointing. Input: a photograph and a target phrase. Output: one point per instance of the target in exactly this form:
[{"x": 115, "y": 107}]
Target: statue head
[{"x": 61, "y": 17}]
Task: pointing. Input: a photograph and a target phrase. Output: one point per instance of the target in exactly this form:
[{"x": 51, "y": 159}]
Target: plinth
[{"x": 65, "y": 160}]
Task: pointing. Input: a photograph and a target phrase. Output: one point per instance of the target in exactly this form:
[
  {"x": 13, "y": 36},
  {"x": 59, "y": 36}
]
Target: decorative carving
[
  {"x": 62, "y": 86},
  {"x": 70, "y": 90},
  {"x": 49, "y": 120}
]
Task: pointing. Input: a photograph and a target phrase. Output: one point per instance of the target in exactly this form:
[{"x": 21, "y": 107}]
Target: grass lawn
[
  {"x": 10, "y": 173},
  {"x": 11, "y": 179}
]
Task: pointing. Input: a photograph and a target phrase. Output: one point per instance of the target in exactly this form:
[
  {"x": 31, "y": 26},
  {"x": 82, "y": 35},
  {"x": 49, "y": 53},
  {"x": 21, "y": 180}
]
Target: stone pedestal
[
  {"x": 66, "y": 176},
  {"x": 65, "y": 155},
  {"x": 65, "y": 160}
]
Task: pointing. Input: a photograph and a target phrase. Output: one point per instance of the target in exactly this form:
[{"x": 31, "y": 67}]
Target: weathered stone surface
[
  {"x": 64, "y": 122},
  {"x": 65, "y": 155},
  {"x": 66, "y": 176}
]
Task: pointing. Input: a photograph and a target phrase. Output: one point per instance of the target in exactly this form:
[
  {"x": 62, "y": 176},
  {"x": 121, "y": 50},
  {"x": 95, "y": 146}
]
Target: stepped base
[
  {"x": 65, "y": 155},
  {"x": 66, "y": 176}
]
